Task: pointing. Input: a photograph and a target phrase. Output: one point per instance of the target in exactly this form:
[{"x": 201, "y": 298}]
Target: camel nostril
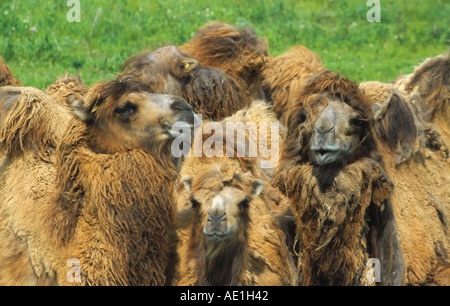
[
  {"x": 217, "y": 217},
  {"x": 180, "y": 104}
]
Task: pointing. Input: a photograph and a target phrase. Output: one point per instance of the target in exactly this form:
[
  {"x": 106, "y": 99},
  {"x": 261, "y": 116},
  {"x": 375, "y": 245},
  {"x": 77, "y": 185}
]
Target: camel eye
[
  {"x": 126, "y": 110},
  {"x": 195, "y": 204},
  {"x": 357, "y": 122},
  {"x": 244, "y": 204},
  {"x": 302, "y": 116}
]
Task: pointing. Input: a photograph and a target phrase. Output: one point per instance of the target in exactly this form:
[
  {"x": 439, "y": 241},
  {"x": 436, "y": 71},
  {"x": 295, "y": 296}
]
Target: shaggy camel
[
  {"x": 238, "y": 52},
  {"x": 98, "y": 210},
  {"x": 6, "y": 76},
  {"x": 231, "y": 221},
  {"x": 210, "y": 91},
  {"x": 332, "y": 172},
  {"x": 419, "y": 202}
]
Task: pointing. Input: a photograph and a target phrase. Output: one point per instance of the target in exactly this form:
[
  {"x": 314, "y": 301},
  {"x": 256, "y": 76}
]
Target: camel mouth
[
  {"x": 325, "y": 155},
  {"x": 216, "y": 236}
]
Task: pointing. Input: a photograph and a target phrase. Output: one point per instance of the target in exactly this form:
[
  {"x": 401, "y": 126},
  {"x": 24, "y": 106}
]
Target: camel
[
  {"x": 333, "y": 174},
  {"x": 210, "y": 91},
  {"x": 86, "y": 196},
  {"x": 232, "y": 223},
  {"x": 419, "y": 203}
]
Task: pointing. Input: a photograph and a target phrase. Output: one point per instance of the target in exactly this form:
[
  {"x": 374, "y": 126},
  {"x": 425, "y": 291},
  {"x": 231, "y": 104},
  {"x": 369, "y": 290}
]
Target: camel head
[
  {"x": 210, "y": 91},
  {"x": 122, "y": 115},
  {"x": 163, "y": 70},
  {"x": 220, "y": 201},
  {"x": 331, "y": 122},
  {"x": 336, "y": 134}
]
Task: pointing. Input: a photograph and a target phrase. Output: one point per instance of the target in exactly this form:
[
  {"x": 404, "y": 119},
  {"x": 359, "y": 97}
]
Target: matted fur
[
  {"x": 259, "y": 257},
  {"x": 6, "y": 76},
  {"x": 111, "y": 212},
  {"x": 32, "y": 125},
  {"x": 121, "y": 200},
  {"x": 239, "y": 52},
  {"x": 333, "y": 238},
  {"x": 332, "y": 234},
  {"x": 420, "y": 204},
  {"x": 67, "y": 89},
  {"x": 213, "y": 94},
  {"x": 29, "y": 120},
  {"x": 284, "y": 75}
]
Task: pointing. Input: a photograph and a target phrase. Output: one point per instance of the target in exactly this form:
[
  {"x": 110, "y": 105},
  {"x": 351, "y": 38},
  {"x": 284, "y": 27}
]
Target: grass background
[{"x": 39, "y": 44}]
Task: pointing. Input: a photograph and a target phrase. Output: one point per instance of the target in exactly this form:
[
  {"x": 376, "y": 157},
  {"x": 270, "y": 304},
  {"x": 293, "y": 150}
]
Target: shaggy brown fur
[
  {"x": 284, "y": 75},
  {"x": 169, "y": 71},
  {"x": 257, "y": 254},
  {"x": 35, "y": 125},
  {"x": 31, "y": 127},
  {"x": 333, "y": 238},
  {"x": 107, "y": 206},
  {"x": 420, "y": 204},
  {"x": 6, "y": 76},
  {"x": 332, "y": 203},
  {"x": 67, "y": 89},
  {"x": 238, "y": 52}
]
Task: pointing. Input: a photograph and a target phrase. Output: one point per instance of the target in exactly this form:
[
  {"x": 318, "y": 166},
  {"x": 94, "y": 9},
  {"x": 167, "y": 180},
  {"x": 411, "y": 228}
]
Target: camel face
[
  {"x": 336, "y": 133},
  {"x": 222, "y": 214},
  {"x": 162, "y": 70},
  {"x": 147, "y": 119},
  {"x": 121, "y": 116},
  {"x": 223, "y": 206}
]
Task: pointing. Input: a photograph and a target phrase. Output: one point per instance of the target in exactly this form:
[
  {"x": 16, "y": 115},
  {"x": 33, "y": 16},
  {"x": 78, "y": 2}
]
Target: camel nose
[
  {"x": 326, "y": 121},
  {"x": 217, "y": 216},
  {"x": 179, "y": 104},
  {"x": 216, "y": 226}
]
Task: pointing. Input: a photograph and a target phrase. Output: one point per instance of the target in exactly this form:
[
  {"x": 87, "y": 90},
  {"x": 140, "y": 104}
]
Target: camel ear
[
  {"x": 81, "y": 112},
  {"x": 184, "y": 66},
  {"x": 187, "y": 182},
  {"x": 379, "y": 110},
  {"x": 257, "y": 187}
]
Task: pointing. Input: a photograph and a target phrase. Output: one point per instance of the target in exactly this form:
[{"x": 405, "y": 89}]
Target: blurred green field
[{"x": 39, "y": 43}]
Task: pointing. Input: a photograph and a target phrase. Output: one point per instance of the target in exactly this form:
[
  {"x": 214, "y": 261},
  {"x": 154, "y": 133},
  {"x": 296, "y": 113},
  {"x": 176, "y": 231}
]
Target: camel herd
[{"x": 350, "y": 188}]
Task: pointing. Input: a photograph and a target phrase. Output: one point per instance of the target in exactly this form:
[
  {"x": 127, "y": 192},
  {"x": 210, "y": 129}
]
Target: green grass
[{"x": 39, "y": 44}]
